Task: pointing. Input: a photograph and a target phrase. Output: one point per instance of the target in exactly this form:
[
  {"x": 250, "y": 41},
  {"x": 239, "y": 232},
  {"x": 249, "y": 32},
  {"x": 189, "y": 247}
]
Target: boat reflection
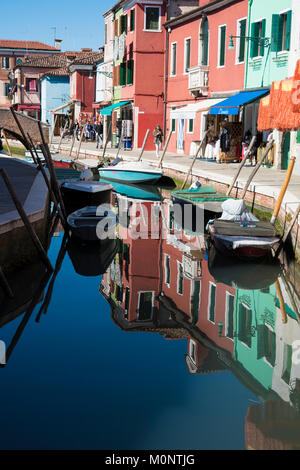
[{"x": 242, "y": 318}]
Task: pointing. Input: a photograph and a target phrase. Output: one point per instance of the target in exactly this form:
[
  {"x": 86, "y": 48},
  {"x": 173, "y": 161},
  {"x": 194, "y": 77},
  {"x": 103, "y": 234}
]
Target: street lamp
[{"x": 265, "y": 42}]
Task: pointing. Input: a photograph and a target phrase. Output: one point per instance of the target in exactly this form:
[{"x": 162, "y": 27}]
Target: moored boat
[
  {"x": 78, "y": 194},
  {"x": 131, "y": 172},
  {"x": 93, "y": 223}
]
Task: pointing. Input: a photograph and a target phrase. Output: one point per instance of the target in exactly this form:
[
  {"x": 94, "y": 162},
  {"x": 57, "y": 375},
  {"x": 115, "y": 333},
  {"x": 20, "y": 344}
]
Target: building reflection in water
[{"x": 237, "y": 317}]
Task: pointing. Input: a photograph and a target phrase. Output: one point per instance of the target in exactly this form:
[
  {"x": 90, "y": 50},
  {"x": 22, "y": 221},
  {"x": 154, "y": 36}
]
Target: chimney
[{"x": 57, "y": 43}]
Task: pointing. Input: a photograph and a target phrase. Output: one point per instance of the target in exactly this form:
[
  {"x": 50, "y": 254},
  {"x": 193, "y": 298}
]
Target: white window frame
[
  {"x": 179, "y": 264},
  {"x": 247, "y": 308},
  {"x": 172, "y": 59},
  {"x": 200, "y": 48},
  {"x": 228, "y": 294},
  {"x": 209, "y": 301},
  {"x": 260, "y": 20},
  {"x": 145, "y": 16},
  {"x": 284, "y": 12},
  {"x": 165, "y": 265},
  {"x": 5, "y": 58},
  {"x": 192, "y": 351},
  {"x": 185, "y": 72},
  {"x": 5, "y": 85},
  {"x": 238, "y": 41},
  {"x": 219, "y": 46}
]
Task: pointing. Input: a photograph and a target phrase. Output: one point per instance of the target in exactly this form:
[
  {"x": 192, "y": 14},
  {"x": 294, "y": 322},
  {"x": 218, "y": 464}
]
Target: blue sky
[{"x": 78, "y": 23}]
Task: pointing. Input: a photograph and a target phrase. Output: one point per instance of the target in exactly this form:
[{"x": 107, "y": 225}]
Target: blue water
[{"x": 76, "y": 381}]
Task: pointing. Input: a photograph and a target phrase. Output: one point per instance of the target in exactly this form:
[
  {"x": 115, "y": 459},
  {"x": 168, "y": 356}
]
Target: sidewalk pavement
[{"x": 267, "y": 181}]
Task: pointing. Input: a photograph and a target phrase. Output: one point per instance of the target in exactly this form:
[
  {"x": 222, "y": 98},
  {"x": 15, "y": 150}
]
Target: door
[
  {"x": 286, "y": 150},
  {"x": 180, "y": 135}
]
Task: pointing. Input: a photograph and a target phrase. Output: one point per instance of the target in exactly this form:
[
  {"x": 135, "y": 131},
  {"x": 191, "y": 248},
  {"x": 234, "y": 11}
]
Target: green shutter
[
  {"x": 205, "y": 43},
  {"x": 132, "y": 19},
  {"x": 173, "y": 125},
  {"x": 275, "y": 35},
  {"x": 263, "y": 35},
  {"x": 254, "y": 43},
  {"x": 288, "y": 30},
  {"x": 298, "y": 136},
  {"x": 130, "y": 72},
  {"x": 242, "y": 40},
  {"x": 191, "y": 126},
  {"x": 212, "y": 303},
  {"x": 123, "y": 74},
  {"x": 222, "y": 46}
]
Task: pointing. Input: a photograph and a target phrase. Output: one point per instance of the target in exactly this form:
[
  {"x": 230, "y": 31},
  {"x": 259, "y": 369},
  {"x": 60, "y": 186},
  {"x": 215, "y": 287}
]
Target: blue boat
[
  {"x": 145, "y": 192},
  {"x": 131, "y": 172}
]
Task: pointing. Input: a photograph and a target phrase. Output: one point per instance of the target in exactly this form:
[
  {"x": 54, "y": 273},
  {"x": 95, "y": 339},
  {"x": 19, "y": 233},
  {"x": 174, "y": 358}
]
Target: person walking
[
  {"x": 157, "y": 133},
  {"x": 99, "y": 134}
]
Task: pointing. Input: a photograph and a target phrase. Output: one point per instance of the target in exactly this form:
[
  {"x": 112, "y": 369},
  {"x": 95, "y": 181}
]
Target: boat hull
[
  {"x": 133, "y": 177},
  {"x": 75, "y": 200}
]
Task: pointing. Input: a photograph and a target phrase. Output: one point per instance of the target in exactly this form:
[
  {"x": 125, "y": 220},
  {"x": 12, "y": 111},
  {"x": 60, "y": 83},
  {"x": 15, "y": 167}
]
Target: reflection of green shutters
[
  {"x": 243, "y": 25},
  {"x": 287, "y": 365},
  {"x": 230, "y": 316},
  {"x": 130, "y": 67},
  {"x": 288, "y": 30},
  {"x": 195, "y": 301},
  {"x": 212, "y": 302},
  {"x": 245, "y": 323},
  {"x": 127, "y": 298},
  {"x": 132, "y": 19},
  {"x": 222, "y": 46}
]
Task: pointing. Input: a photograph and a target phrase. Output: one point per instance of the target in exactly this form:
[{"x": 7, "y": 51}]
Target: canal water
[{"x": 150, "y": 343}]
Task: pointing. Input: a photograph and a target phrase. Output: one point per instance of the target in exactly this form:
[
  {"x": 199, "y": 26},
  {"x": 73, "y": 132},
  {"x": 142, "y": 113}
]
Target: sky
[{"x": 78, "y": 23}]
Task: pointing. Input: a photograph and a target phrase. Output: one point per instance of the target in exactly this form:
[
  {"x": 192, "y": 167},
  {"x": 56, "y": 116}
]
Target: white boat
[{"x": 131, "y": 172}]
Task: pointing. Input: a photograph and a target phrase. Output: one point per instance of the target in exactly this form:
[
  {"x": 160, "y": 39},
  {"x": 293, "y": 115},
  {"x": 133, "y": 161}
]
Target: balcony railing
[{"x": 198, "y": 80}]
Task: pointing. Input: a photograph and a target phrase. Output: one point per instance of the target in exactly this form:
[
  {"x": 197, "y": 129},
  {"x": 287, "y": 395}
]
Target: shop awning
[
  {"x": 232, "y": 104},
  {"x": 109, "y": 109},
  {"x": 190, "y": 111}
]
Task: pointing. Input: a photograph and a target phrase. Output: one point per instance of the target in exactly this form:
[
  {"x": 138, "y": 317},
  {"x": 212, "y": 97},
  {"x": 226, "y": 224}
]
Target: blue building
[{"x": 55, "y": 97}]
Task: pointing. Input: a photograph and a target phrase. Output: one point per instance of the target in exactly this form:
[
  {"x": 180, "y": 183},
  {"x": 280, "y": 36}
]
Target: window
[
  {"x": 191, "y": 126},
  {"x": 187, "y": 54},
  {"x": 132, "y": 19},
  {"x": 130, "y": 68},
  {"x": 167, "y": 270},
  {"x": 212, "y": 302},
  {"x": 287, "y": 363},
  {"x": 204, "y": 38},
  {"x": 195, "y": 301},
  {"x": 229, "y": 318},
  {"x": 266, "y": 344},
  {"x": 5, "y": 89},
  {"x": 222, "y": 45},
  {"x": 245, "y": 323},
  {"x": 258, "y": 31},
  {"x": 123, "y": 74},
  {"x": 127, "y": 298},
  {"x": 145, "y": 308},
  {"x": 241, "y": 41},
  {"x": 124, "y": 24},
  {"x": 31, "y": 84},
  {"x": 281, "y": 32},
  {"x": 179, "y": 278},
  {"x": 5, "y": 62},
  {"x": 173, "y": 124},
  {"x": 152, "y": 18},
  {"x": 173, "y": 58}
]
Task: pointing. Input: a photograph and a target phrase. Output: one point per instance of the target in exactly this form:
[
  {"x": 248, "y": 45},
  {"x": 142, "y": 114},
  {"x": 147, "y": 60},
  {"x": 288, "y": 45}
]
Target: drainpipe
[
  {"x": 166, "y": 82},
  {"x": 249, "y": 33}
]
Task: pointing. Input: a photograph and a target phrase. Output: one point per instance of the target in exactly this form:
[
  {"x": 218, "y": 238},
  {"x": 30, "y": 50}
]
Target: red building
[{"x": 201, "y": 69}]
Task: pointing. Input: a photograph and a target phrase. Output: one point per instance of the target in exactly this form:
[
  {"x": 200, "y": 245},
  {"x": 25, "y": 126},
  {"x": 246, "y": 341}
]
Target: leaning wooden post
[
  {"x": 144, "y": 144},
  {"x": 53, "y": 130},
  {"x": 62, "y": 136},
  {"x": 241, "y": 165},
  {"x": 194, "y": 159},
  {"x": 7, "y": 145},
  {"x": 71, "y": 150},
  {"x": 257, "y": 167},
  {"x": 79, "y": 145},
  {"x": 5, "y": 284},
  {"x": 281, "y": 302},
  {"x": 283, "y": 189},
  {"x": 23, "y": 133},
  {"x": 165, "y": 149},
  {"x": 106, "y": 141},
  {"x": 25, "y": 220}
]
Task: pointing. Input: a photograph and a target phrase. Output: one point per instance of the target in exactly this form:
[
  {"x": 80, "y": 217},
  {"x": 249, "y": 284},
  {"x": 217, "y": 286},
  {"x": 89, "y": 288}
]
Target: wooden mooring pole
[
  {"x": 25, "y": 220},
  {"x": 23, "y": 133},
  {"x": 241, "y": 165},
  {"x": 6, "y": 142},
  {"x": 194, "y": 159},
  {"x": 257, "y": 167},
  {"x": 165, "y": 149},
  {"x": 106, "y": 140},
  {"x": 144, "y": 144}
]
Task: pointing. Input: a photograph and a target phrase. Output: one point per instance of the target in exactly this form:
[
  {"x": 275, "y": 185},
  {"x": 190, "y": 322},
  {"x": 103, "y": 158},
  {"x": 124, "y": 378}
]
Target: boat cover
[
  {"x": 227, "y": 228},
  {"x": 236, "y": 210}
]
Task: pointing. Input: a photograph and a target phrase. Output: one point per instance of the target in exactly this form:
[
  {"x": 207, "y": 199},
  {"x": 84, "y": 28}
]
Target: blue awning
[
  {"x": 109, "y": 109},
  {"x": 232, "y": 104}
]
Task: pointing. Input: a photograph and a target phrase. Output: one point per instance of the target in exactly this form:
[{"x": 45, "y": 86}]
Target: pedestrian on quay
[
  {"x": 158, "y": 134},
  {"x": 99, "y": 134}
]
